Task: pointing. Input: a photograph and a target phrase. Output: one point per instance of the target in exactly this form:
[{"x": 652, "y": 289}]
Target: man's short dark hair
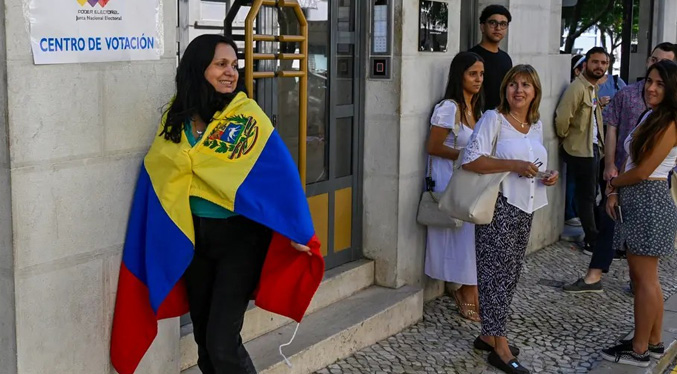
[
  {"x": 595, "y": 50},
  {"x": 667, "y": 47},
  {"x": 495, "y": 9}
]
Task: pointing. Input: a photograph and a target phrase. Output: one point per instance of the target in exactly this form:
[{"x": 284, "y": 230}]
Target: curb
[{"x": 664, "y": 363}]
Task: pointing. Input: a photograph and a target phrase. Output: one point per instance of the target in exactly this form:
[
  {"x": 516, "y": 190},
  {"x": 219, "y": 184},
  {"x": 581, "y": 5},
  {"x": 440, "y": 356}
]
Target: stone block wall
[
  {"x": 397, "y": 114},
  {"x": 533, "y": 39},
  {"x": 396, "y": 125},
  {"x": 77, "y": 135},
  {"x": 7, "y": 331}
]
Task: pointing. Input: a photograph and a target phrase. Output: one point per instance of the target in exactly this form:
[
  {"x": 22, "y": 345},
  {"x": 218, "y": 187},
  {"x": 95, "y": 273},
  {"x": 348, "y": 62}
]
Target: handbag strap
[{"x": 498, "y": 134}]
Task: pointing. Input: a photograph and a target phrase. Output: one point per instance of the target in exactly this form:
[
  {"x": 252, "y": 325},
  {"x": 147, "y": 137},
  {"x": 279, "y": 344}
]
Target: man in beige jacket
[{"x": 579, "y": 123}]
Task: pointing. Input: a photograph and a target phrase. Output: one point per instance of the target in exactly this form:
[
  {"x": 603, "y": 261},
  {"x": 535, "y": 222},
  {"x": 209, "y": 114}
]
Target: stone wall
[
  {"x": 533, "y": 39},
  {"x": 77, "y": 134},
  {"x": 7, "y": 331},
  {"x": 396, "y": 117},
  {"x": 665, "y": 22},
  {"x": 396, "y": 124}
]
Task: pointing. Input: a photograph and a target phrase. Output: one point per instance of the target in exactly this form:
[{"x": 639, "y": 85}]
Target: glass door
[{"x": 333, "y": 103}]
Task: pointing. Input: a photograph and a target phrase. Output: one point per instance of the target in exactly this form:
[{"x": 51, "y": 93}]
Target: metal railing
[{"x": 250, "y": 56}]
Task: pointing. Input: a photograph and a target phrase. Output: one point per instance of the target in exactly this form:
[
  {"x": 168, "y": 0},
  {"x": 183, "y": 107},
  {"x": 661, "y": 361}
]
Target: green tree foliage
[
  {"x": 584, "y": 15},
  {"x": 606, "y": 15}
]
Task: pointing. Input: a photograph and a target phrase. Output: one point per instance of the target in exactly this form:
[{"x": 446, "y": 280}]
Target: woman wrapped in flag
[{"x": 219, "y": 217}]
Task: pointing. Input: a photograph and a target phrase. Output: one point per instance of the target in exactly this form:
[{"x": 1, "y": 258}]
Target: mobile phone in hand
[
  {"x": 543, "y": 174},
  {"x": 619, "y": 213}
]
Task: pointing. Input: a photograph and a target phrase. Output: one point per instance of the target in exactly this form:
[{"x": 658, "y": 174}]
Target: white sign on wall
[{"x": 75, "y": 31}]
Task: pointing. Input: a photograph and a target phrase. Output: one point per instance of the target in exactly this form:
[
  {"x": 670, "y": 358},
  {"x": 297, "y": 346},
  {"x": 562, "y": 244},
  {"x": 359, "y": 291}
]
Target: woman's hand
[
  {"x": 301, "y": 248},
  {"x": 611, "y": 202},
  {"x": 524, "y": 168},
  {"x": 609, "y": 188},
  {"x": 552, "y": 179}
]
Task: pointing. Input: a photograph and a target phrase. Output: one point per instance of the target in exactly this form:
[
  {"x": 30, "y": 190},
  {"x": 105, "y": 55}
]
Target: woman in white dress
[{"x": 450, "y": 252}]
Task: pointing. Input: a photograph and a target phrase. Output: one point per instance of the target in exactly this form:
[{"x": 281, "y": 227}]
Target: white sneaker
[{"x": 575, "y": 222}]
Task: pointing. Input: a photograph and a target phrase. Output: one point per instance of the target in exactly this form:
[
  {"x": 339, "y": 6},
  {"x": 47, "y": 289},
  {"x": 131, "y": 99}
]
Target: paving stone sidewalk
[{"x": 557, "y": 332}]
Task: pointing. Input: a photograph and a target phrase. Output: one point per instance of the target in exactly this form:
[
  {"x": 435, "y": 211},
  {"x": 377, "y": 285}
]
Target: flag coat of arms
[{"x": 242, "y": 165}]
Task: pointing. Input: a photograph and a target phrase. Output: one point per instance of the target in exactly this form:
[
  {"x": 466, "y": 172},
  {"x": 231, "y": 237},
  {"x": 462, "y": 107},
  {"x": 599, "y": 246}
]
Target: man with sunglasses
[
  {"x": 494, "y": 22},
  {"x": 620, "y": 117}
]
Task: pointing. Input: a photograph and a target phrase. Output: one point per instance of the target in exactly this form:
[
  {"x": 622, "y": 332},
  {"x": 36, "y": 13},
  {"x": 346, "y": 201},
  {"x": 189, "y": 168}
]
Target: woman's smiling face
[
  {"x": 520, "y": 93},
  {"x": 654, "y": 89},
  {"x": 222, "y": 73}
]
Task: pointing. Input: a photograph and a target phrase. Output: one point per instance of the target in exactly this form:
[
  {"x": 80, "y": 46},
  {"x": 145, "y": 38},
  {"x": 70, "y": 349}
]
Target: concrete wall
[
  {"x": 396, "y": 118},
  {"x": 665, "y": 22},
  {"x": 77, "y": 134},
  {"x": 7, "y": 330},
  {"x": 533, "y": 39},
  {"x": 396, "y": 124}
]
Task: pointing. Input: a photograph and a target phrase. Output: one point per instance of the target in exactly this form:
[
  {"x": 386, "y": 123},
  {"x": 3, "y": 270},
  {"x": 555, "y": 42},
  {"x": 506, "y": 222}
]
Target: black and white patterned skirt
[{"x": 649, "y": 219}]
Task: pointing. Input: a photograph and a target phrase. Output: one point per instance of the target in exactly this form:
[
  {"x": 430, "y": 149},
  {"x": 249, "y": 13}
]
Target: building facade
[{"x": 72, "y": 138}]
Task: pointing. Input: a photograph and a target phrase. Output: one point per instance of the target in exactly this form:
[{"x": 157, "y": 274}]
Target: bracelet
[{"x": 611, "y": 193}]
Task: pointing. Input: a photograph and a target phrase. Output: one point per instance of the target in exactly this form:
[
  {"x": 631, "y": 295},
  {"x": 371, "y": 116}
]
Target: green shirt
[{"x": 199, "y": 206}]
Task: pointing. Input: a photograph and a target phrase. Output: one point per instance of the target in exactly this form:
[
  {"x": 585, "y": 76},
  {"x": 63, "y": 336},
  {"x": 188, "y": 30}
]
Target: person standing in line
[
  {"x": 646, "y": 216},
  {"x": 516, "y": 132},
  {"x": 494, "y": 22},
  {"x": 578, "y": 120},
  {"x": 450, "y": 252},
  {"x": 570, "y": 214},
  {"x": 609, "y": 85},
  {"x": 621, "y": 116}
]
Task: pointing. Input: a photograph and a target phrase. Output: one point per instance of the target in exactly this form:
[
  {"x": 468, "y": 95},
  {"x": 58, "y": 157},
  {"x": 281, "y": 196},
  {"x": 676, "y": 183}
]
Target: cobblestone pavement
[{"x": 557, "y": 332}]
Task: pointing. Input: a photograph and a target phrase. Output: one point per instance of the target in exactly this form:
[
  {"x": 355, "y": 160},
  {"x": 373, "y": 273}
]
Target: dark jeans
[
  {"x": 603, "y": 254},
  {"x": 569, "y": 206},
  {"x": 585, "y": 172},
  {"x": 223, "y": 275}
]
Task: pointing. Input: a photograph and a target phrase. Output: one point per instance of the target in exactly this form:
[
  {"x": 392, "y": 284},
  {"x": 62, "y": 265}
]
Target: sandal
[{"x": 466, "y": 310}]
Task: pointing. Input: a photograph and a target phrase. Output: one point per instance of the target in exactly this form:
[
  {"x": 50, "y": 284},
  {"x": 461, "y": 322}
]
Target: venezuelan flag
[{"x": 241, "y": 164}]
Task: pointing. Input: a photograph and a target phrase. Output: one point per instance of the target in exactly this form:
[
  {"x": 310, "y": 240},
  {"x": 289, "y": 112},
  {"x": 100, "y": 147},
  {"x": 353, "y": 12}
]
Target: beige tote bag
[{"x": 470, "y": 196}]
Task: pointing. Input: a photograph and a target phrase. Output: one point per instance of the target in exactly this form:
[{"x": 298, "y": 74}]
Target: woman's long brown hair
[{"x": 665, "y": 114}]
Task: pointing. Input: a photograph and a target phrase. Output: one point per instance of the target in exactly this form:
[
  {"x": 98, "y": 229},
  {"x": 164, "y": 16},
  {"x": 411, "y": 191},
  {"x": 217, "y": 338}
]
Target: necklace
[
  {"x": 522, "y": 124},
  {"x": 198, "y": 132}
]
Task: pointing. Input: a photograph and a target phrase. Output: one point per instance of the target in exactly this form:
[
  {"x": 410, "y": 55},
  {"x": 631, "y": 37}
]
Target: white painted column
[
  {"x": 533, "y": 39},
  {"x": 7, "y": 328},
  {"x": 396, "y": 125},
  {"x": 666, "y": 22},
  {"x": 77, "y": 134}
]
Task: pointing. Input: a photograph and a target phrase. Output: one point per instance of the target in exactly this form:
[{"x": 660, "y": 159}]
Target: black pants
[
  {"x": 223, "y": 275},
  {"x": 585, "y": 172},
  {"x": 603, "y": 254}
]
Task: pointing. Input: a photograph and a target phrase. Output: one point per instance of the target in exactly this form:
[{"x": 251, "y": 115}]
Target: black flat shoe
[
  {"x": 512, "y": 367},
  {"x": 484, "y": 346}
]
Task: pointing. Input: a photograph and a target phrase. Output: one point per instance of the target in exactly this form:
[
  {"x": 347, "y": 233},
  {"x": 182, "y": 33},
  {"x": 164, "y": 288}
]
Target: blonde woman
[{"x": 516, "y": 132}]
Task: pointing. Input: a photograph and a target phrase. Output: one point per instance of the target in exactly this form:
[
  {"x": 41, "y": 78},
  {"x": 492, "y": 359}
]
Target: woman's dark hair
[
  {"x": 575, "y": 65},
  {"x": 462, "y": 62},
  {"x": 495, "y": 9},
  {"x": 647, "y": 135},
  {"x": 194, "y": 95}
]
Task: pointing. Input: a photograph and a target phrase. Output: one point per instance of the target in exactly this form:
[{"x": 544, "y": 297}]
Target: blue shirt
[
  {"x": 609, "y": 87},
  {"x": 199, "y": 206}
]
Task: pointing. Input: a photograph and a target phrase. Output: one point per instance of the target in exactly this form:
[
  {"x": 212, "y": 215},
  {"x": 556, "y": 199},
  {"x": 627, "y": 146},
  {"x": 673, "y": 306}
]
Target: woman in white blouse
[
  {"x": 450, "y": 252},
  {"x": 515, "y": 129}
]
